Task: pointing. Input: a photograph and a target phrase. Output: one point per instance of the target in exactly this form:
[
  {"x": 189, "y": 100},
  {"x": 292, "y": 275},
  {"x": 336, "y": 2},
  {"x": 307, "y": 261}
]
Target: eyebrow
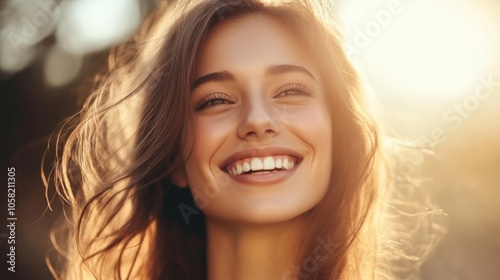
[
  {"x": 214, "y": 77},
  {"x": 272, "y": 70},
  {"x": 275, "y": 70}
]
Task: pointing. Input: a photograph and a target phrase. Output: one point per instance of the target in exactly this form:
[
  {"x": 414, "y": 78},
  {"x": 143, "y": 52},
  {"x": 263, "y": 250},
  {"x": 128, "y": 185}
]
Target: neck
[{"x": 249, "y": 251}]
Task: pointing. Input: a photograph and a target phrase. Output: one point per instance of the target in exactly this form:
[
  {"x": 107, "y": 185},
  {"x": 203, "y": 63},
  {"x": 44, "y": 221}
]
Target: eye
[
  {"x": 294, "y": 89},
  {"x": 213, "y": 100}
]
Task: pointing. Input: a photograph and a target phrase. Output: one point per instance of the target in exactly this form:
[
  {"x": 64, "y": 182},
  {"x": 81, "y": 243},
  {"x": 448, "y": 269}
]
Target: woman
[{"x": 228, "y": 140}]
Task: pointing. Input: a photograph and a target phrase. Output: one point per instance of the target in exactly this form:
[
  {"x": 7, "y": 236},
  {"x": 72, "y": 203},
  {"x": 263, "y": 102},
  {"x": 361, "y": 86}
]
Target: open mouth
[{"x": 262, "y": 165}]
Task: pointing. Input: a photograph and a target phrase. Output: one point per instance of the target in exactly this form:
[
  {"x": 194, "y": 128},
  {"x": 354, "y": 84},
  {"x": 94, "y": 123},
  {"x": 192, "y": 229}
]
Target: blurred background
[{"x": 433, "y": 68}]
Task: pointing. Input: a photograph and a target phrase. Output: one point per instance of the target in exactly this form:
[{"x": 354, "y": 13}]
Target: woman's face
[{"x": 262, "y": 152}]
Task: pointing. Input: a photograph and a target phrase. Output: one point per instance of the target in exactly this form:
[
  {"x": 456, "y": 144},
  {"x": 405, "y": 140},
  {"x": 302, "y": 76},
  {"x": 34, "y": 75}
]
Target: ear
[{"x": 179, "y": 178}]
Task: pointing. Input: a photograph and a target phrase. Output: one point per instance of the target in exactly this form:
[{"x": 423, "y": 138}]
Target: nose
[{"x": 258, "y": 122}]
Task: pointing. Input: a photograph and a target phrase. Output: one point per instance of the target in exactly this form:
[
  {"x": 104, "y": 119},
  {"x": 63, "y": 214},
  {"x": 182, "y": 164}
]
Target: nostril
[
  {"x": 251, "y": 133},
  {"x": 257, "y": 129}
]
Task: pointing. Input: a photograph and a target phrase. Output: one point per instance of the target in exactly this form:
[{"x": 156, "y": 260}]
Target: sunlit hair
[{"x": 119, "y": 155}]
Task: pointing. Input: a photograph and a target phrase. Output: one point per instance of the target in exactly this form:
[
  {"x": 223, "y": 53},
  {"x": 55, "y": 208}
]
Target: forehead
[{"x": 250, "y": 41}]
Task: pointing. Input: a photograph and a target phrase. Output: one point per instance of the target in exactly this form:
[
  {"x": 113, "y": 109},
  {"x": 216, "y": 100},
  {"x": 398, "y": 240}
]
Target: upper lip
[{"x": 260, "y": 152}]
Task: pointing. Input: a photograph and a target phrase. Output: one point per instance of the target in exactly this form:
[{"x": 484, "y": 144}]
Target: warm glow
[
  {"x": 429, "y": 47},
  {"x": 92, "y": 25}
]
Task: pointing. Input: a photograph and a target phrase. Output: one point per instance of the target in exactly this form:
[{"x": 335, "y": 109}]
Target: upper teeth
[{"x": 261, "y": 164}]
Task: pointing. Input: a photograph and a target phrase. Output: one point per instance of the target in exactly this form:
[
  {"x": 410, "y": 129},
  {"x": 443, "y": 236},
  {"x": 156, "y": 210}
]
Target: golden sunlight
[{"x": 436, "y": 48}]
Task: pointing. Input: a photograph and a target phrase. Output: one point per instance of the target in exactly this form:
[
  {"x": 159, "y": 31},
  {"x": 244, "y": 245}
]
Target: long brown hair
[{"x": 121, "y": 153}]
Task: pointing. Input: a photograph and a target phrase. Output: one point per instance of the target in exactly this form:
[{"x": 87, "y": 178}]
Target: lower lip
[{"x": 264, "y": 178}]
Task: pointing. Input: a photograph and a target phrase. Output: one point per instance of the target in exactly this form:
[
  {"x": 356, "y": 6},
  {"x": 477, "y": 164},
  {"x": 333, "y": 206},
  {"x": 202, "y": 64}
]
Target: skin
[{"x": 255, "y": 228}]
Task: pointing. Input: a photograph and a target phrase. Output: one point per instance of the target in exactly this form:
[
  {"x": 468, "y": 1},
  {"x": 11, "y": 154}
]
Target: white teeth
[
  {"x": 286, "y": 164},
  {"x": 246, "y": 167},
  {"x": 268, "y": 163},
  {"x": 239, "y": 169},
  {"x": 256, "y": 164}
]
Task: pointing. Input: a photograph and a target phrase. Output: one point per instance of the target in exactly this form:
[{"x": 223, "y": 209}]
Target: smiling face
[{"x": 262, "y": 151}]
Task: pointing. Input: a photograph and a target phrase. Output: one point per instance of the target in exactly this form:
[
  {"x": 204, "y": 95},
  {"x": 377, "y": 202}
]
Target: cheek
[
  {"x": 311, "y": 123},
  {"x": 209, "y": 136}
]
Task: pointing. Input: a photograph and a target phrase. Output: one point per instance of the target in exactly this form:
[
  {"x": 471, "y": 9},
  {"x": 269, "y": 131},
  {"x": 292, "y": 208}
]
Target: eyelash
[
  {"x": 216, "y": 96},
  {"x": 299, "y": 88},
  {"x": 296, "y": 88}
]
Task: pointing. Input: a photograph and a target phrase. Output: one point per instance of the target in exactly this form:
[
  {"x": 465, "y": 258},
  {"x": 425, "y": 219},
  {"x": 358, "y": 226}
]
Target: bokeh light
[
  {"x": 432, "y": 48},
  {"x": 77, "y": 27},
  {"x": 422, "y": 56},
  {"x": 91, "y": 25}
]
